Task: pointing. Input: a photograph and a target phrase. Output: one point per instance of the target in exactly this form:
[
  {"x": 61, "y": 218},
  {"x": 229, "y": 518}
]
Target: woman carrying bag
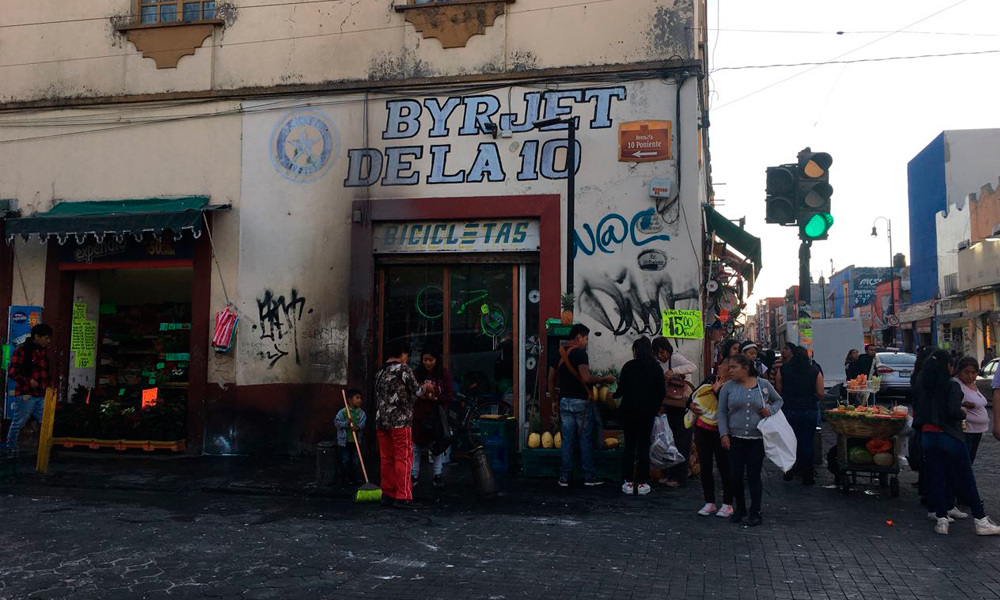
[
  {"x": 743, "y": 402},
  {"x": 641, "y": 388}
]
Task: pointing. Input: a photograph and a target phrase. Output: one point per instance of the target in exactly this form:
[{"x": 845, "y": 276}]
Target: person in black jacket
[
  {"x": 946, "y": 457},
  {"x": 641, "y": 388}
]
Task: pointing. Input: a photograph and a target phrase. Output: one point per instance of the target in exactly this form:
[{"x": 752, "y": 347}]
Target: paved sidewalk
[{"x": 534, "y": 541}]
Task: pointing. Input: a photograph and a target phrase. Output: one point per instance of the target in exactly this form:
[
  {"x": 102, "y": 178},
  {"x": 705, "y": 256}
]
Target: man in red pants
[{"x": 396, "y": 390}]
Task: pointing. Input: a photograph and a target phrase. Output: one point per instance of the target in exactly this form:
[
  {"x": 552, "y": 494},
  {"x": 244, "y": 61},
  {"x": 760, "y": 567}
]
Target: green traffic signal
[{"x": 817, "y": 226}]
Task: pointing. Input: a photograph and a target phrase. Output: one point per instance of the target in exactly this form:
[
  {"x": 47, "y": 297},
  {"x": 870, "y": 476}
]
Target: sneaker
[
  {"x": 708, "y": 509},
  {"x": 725, "y": 512},
  {"x": 942, "y": 526},
  {"x": 628, "y": 488},
  {"x": 986, "y": 526},
  {"x": 933, "y": 517},
  {"x": 438, "y": 482},
  {"x": 593, "y": 483},
  {"x": 563, "y": 483},
  {"x": 644, "y": 489},
  {"x": 957, "y": 514}
]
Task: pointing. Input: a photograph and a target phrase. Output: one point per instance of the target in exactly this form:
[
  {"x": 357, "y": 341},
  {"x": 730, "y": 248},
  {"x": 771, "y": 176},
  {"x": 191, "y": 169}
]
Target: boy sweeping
[{"x": 346, "y": 422}]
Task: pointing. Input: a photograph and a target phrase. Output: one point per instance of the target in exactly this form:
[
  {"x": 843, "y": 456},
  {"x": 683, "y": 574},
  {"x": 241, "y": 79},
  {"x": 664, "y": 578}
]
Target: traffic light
[
  {"x": 781, "y": 191},
  {"x": 814, "y": 194}
]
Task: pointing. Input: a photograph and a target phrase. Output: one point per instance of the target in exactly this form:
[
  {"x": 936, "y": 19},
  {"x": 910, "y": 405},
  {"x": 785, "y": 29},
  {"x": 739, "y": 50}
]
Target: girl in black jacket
[{"x": 642, "y": 389}]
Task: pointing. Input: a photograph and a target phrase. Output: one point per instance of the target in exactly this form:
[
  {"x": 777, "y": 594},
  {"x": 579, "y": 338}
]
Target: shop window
[{"x": 452, "y": 22}]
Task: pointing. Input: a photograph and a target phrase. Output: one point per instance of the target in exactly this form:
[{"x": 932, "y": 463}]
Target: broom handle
[{"x": 357, "y": 446}]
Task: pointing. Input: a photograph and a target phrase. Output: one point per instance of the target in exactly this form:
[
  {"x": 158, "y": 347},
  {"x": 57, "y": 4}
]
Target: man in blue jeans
[
  {"x": 29, "y": 369},
  {"x": 569, "y": 371}
]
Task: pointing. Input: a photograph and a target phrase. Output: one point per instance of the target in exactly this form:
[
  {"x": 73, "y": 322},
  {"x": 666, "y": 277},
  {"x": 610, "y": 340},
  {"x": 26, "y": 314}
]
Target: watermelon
[{"x": 860, "y": 456}]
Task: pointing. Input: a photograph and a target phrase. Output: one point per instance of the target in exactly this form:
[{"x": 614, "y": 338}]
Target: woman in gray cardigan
[{"x": 743, "y": 402}]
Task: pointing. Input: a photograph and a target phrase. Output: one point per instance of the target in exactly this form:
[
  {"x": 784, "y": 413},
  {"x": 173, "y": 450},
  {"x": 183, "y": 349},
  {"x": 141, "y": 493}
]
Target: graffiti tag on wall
[
  {"x": 277, "y": 320},
  {"x": 614, "y": 230},
  {"x": 626, "y": 302}
]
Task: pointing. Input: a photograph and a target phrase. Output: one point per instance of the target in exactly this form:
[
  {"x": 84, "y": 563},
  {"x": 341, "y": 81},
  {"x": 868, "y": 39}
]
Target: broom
[{"x": 369, "y": 492}]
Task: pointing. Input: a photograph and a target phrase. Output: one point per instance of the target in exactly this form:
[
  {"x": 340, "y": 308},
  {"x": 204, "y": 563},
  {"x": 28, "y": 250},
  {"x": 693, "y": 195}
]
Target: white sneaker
[
  {"x": 725, "y": 512},
  {"x": 644, "y": 489},
  {"x": 627, "y": 488},
  {"x": 942, "y": 526},
  {"x": 933, "y": 517},
  {"x": 708, "y": 509},
  {"x": 957, "y": 514},
  {"x": 986, "y": 526}
]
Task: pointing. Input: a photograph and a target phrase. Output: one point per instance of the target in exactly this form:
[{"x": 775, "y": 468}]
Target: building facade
[
  {"x": 339, "y": 175},
  {"x": 853, "y": 287}
]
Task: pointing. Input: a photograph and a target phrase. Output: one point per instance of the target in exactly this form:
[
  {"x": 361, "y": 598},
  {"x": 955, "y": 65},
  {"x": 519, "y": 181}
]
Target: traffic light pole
[{"x": 805, "y": 283}]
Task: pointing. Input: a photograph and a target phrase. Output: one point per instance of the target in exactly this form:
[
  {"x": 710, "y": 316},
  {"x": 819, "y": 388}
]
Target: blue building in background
[
  {"x": 925, "y": 176},
  {"x": 852, "y": 287}
]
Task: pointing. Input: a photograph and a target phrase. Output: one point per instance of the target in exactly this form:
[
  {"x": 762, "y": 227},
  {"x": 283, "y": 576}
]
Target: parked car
[
  {"x": 985, "y": 380},
  {"x": 895, "y": 369}
]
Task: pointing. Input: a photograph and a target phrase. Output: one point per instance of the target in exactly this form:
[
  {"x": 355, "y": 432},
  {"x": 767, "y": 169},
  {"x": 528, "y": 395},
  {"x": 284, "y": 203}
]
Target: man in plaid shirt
[{"x": 29, "y": 369}]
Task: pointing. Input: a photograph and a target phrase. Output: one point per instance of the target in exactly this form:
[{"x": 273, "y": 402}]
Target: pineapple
[{"x": 566, "y": 301}]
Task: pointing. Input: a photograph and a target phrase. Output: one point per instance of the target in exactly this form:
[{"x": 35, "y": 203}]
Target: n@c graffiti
[
  {"x": 643, "y": 228},
  {"x": 304, "y": 145}
]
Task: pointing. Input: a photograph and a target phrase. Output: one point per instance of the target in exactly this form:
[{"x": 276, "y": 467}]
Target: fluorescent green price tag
[{"x": 683, "y": 324}]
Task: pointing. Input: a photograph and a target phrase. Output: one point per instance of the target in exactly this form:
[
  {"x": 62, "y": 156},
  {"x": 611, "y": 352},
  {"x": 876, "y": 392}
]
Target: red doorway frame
[
  {"x": 58, "y": 309},
  {"x": 362, "y": 351}
]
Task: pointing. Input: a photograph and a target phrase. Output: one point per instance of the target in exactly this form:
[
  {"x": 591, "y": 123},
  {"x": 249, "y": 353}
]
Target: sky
[{"x": 872, "y": 118}]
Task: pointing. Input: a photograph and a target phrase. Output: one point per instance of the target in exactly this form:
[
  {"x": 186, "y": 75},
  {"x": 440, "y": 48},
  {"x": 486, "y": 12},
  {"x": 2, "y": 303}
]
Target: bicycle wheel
[{"x": 486, "y": 407}]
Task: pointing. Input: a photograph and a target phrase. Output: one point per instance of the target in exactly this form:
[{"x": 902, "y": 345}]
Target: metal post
[
  {"x": 805, "y": 285},
  {"x": 570, "y": 204},
  {"x": 892, "y": 280}
]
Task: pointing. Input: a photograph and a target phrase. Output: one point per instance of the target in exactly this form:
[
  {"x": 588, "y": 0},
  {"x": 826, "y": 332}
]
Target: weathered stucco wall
[
  {"x": 281, "y": 43},
  {"x": 636, "y": 255}
]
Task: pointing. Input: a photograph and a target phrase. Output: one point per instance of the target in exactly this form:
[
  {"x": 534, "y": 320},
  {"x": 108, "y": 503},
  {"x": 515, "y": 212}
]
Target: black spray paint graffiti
[
  {"x": 630, "y": 302},
  {"x": 277, "y": 319}
]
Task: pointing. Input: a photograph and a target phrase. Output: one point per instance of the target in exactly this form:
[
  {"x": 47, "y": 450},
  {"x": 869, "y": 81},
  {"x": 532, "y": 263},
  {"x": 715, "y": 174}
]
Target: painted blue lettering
[
  {"x": 489, "y": 226},
  {"x": 415, "y": 234},
  {"x": 389, "y": 239},
  {"x": 614, "y": 230},
  {"x": 641, "y": 221},
  {"x": 529, "y": 156},
  {"x": 520, "y": 232},
  {"x": 602, "y": 110},
  {"x": 440, "y": 114},
  {"x": 469, "y": 235},
  {"x": 364, "y": 167},
  {"x": 503, "y": 236},
  {"x": 452, "y": 240},
  {"x": 403, "y": 120},
  {"x": 427, "y": 233},
  {"x": 436, "y": 238},
  {"x": 439, "y": 159},
  {"x": 554, "y": 107},
  {"x": 548, "y": 162},
  {"x": 479, "y": 111},
  {"x": 532, "y": 103},
  {"x": 396, "y": 165},
  {"x": 487, "y": 163}
]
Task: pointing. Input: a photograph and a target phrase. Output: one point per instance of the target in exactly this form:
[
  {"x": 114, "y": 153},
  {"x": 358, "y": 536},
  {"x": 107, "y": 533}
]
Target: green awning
[
  {"x": 737, "y": 237},
  {"x": 114, "y": 217}
]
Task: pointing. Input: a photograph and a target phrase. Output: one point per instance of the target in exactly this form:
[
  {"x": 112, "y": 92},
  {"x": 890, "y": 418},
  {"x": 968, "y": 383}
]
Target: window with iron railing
[{"x": 174, "y": 11}]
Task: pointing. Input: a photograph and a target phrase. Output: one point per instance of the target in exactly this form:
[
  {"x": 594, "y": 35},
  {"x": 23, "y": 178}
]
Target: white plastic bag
[
  {"x": 663, "y": 453},
  {"x": 779, "y": 441}
]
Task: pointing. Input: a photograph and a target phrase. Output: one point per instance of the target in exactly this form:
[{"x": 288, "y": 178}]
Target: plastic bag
[
  {"x": 663, "y": 453},
  {"x": 779, "y": 441}
]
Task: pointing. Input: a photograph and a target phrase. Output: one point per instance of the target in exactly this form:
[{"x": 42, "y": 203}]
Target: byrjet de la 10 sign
[{"x": 502, "y": 235}]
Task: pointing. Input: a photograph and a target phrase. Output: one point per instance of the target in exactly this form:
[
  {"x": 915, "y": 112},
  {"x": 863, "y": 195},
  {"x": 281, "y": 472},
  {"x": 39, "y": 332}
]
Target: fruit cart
[
  {"x": 862, "y": 391},
  {"x": 867, "y": 445}
]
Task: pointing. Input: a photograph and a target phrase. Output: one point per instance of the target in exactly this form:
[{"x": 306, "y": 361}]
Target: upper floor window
[{"x": 172, "y": 11}]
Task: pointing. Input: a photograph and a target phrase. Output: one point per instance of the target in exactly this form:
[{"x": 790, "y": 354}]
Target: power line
[
  {"x": 857, "y": 60},
  {"x": 839, "y": 56},
  {"x": 844, "y": 32},
  {"x": 282, "y": 39}
]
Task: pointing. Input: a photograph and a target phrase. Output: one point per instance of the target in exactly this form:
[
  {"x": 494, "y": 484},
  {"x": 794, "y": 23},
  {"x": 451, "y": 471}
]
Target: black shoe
[
  {"x": 789, "y": 476},
  {"x": 438, "y": 482},
  {"x": 809, "y": 480},
  {"x": 387, "y": 501},
  {"x": 738, "y": 516},
  {"x": 406, "y": 505},
  {"x": 754, "y": 521}
]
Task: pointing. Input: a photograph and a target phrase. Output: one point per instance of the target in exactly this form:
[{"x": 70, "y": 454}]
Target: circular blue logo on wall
[
  {"x": 19, "y": 317},
  {"x": 304, "y": 145}
]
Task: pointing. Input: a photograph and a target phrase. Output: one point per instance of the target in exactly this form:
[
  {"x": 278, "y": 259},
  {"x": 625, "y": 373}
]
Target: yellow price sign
[{"x": 683, "y": 324}]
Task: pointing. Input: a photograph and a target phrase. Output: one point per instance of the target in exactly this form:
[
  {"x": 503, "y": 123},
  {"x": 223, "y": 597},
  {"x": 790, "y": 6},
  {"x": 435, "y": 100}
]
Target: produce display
[
  {"x": 862, "y": 383},
  {"x": 867, "y": 412},
  {"x": 611, "y": 443},
  {"x": 860, "y": 456},
  {"x": 558, "y": 439},
  {"x": 534, "y": 440},
  {"x": 547, "y": 440}
]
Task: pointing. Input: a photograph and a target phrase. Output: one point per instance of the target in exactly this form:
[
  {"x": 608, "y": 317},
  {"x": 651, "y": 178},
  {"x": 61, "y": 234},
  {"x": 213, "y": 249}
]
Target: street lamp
[
  {"x": 570, "y": 191},
  {"x": 892, "y": 270}
]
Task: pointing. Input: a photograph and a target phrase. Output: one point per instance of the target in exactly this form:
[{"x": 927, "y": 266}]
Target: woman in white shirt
[{"x": 977, "y": 420}]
